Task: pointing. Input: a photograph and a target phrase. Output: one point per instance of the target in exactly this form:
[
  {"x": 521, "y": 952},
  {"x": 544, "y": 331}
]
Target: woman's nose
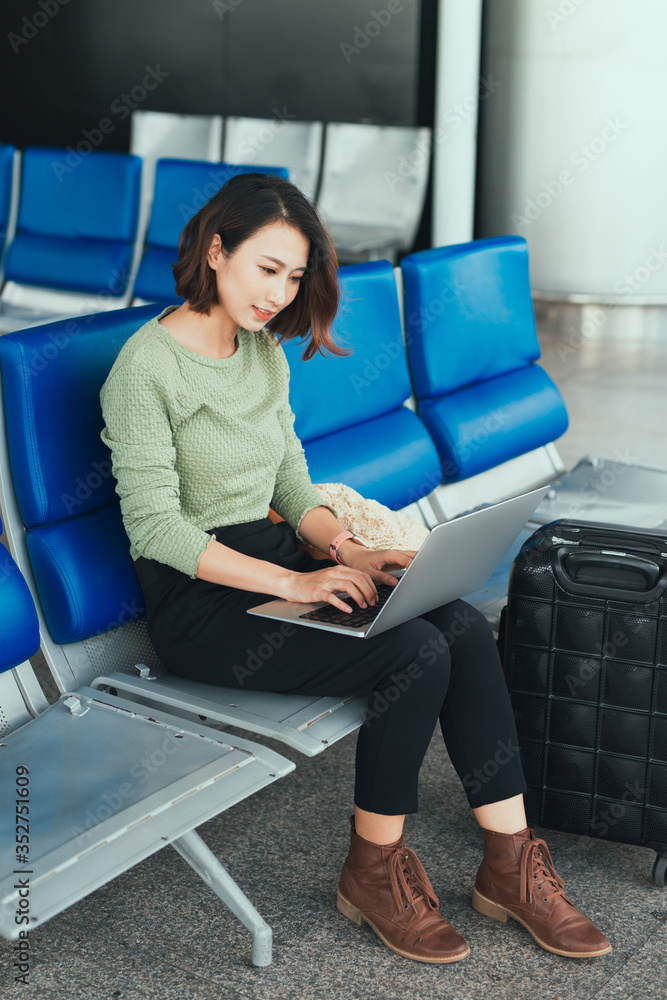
[{"x": 277, "y": 293}]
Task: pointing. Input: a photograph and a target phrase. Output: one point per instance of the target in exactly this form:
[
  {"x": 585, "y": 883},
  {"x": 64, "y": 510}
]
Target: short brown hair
[{"x": 243, "y": 206}]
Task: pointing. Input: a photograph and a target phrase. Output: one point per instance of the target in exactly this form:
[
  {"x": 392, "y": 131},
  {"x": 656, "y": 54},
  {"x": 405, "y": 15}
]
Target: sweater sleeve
[
  {"x": 138, "y": 432},
  {"x": 294, "y": 494}
]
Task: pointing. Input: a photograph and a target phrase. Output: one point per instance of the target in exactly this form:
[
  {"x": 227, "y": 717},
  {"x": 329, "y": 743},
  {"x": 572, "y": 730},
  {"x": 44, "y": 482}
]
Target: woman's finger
[
  {"x": 333, "y": 599},
  {"x": 356, "y": 582},
  {"x": 402, "y": 556}
]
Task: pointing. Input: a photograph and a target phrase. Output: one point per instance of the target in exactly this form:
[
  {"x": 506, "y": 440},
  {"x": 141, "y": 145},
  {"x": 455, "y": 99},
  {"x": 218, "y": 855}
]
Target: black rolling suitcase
[{"x": 584, "y": 649}]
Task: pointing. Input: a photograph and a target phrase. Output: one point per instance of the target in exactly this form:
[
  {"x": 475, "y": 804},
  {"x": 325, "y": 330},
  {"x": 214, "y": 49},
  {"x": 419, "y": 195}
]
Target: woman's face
[{"x": 261, "y": 277}]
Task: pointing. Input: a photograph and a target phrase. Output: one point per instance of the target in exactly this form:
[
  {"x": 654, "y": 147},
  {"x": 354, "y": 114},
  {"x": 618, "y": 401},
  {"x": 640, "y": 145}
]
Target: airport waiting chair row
[
  {"x": 59, "y": 504},
  {"x": 79, "y": 240},
  {"x": 58, "y": 496},
  {"x": 369, "y": 181}
]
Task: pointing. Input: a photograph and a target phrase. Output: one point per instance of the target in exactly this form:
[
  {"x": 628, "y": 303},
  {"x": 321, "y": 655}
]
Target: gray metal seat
[
  {"x": 373, "y": 187},
  {"x": 155, "y": 135},
  {"x": 100, "y": 783},
  {"x": 280, "y": 142}
]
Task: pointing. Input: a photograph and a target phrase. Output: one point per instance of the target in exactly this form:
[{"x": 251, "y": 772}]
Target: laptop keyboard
[{"x": 330, "y": 615}]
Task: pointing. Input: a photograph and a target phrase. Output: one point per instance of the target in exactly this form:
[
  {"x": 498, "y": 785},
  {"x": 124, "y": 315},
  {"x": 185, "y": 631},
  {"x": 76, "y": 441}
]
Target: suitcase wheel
[{"x": 660, "y": 870}]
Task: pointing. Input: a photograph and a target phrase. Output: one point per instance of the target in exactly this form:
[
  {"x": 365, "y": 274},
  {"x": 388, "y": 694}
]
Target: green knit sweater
[{"x": 199, "y": 442}]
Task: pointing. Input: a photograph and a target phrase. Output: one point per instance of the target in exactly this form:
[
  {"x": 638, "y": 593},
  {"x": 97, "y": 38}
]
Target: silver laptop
[{"x": 456, "y": 558}]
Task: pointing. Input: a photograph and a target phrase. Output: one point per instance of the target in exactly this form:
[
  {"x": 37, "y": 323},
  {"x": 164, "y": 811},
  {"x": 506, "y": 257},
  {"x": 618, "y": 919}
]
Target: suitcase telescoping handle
[{"x": 610, "y": 575}]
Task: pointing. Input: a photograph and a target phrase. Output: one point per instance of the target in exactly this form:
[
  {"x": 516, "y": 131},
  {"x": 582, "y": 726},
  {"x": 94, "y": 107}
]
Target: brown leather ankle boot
[
  {"x": 387, "y": 887},
  {"x": 517, "y": 879}
]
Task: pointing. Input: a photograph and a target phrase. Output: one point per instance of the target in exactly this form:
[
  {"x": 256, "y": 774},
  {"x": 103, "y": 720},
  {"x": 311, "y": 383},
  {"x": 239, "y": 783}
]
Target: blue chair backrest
[
  {"x": 77, "y": 220},
  {"x": 182, "y": 187},
  {"x": 349, "y": 411},
  {"x": 61, "y": 469},
  {"x": 19, "y": 628},
  {"x": 472, "y": 346},
  {"x": 469, "y": 313},
  {"x": 6, "y": 175},
  {"x": 329, "y": 393}
]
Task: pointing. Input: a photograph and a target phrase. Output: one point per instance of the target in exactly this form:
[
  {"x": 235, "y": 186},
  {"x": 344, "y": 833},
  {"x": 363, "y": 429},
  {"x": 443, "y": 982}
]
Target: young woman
[{"x": 198, "y": 420}]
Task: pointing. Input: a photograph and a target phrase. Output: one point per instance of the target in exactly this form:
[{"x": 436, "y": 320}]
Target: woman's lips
[{"x": 263, "y": 314}]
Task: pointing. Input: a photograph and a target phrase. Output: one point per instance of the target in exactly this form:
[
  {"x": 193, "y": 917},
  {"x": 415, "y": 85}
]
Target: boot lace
[
  {"x": 538, "y": 872},
  {"x": 409, "y": 881}
]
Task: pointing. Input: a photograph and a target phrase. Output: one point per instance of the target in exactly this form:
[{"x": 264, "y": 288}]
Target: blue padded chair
[
  {"x": 182, "y": 187},
  {"x": 65, "y": 530},
  {"x": 349, "y": 410},
  {"x": 77, "y": 222},
  {"x": 472, "y": 347},
  {"x": 7, "y": 154}
]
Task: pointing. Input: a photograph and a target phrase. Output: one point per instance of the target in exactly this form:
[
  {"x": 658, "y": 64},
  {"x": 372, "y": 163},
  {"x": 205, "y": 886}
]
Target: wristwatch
[{"x": 335, "y": 545}]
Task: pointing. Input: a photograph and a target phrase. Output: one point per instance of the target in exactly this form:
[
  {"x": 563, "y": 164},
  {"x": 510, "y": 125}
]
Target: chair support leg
[{"x": 193, "y": 849}]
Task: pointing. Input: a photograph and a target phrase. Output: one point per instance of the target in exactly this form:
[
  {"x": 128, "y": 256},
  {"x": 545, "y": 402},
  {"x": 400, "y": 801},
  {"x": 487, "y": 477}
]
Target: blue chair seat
[
  {"x": 19, "y": 625},
  {"x": 389, "y": 459},
  {"x": 59, "y": 555},
  {"x": 76, "y": 224},
  {"x": 155, "y": 279},
  {"x": 81, "y": 265},
  {"x": 484, "y": 425}
]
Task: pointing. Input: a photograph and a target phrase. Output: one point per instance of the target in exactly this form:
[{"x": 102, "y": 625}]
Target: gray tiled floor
[{"x": 158, "y": 932}]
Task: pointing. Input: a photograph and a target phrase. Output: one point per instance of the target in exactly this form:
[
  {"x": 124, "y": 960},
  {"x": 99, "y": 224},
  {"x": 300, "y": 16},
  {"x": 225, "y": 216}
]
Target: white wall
[{"x": 573, "y": 145}]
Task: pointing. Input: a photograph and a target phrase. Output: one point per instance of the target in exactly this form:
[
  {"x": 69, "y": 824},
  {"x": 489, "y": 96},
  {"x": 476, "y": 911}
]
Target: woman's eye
[{"x": 269, "y": 270}]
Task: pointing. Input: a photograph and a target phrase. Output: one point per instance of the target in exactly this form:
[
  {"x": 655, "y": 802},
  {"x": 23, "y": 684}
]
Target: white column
[
  {"x": 457, "y": 91},
  {"x": 574, "y": 144}
]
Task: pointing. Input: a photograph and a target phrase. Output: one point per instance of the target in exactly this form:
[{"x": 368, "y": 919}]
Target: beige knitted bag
[{"x": 376, "y": 525}]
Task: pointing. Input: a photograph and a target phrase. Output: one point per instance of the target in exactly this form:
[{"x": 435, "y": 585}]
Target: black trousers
[{"x": 442, "y": 666}]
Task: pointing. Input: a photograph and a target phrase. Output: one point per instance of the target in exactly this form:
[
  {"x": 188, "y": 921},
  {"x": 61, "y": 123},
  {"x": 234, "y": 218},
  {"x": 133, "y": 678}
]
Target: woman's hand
[
  {"x": 375, "y": 561},
  {"x": 322, "y": 584}
]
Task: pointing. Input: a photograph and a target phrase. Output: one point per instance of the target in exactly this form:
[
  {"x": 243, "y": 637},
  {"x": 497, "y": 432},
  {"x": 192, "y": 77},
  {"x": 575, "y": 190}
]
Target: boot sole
[
  {"x": 357, "y": 917},
  {"x": 490, "y": 909}
]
